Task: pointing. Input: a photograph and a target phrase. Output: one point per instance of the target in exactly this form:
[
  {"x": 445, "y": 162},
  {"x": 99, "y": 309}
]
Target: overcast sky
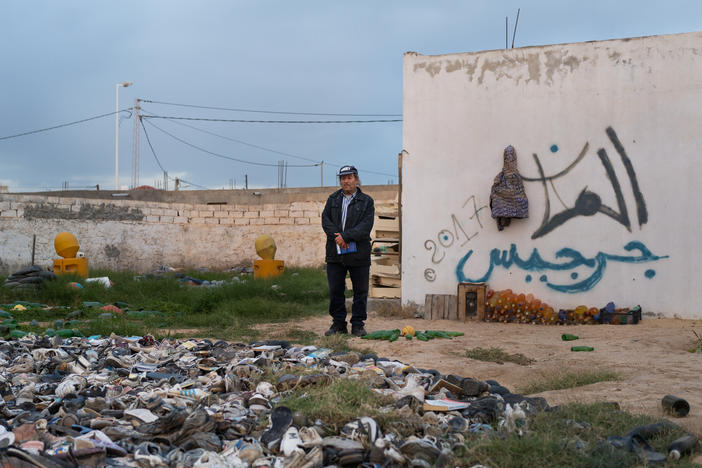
[{"x": 62, "y": 60}]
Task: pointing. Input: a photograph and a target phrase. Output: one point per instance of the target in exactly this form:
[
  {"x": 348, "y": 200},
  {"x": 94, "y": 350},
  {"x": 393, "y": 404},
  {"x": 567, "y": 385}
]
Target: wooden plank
[
  {"x": 386, "y": 261},
  {"x": 461, "y": 303},
  {"x": 383, "y": 224},
  {"x": 427, "y": 307},
  {"x": 453, "y": 307},
  {"x": 384, "y": 211},
  {"x": 385, "y": 270},
  {"x": 437, "y": 311},
  {"x": 481, "y": 301},
  {"x": 394, "y": 235},
  {"x": 379, "y": 292},
  {"x": 444, "y": 304},
  {"x": 387, "y": 282}
]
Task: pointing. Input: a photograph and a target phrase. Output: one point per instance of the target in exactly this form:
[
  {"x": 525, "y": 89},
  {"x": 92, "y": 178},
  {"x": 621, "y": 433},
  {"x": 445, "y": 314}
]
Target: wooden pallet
[{"x": 440, "y": 307}]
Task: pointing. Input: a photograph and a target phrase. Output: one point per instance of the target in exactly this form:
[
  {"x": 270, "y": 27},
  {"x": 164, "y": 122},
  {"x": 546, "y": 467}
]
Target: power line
[
  {"x": 148, "y": 140},
  {"x": 244, "y": 142},
  {"x": 253, "y": 163},
  {"x": 268, "y": 149},
  {"x": 275, "y": 121},
  {"x": 128, "y": 109},
  {"x": 268, "y": 112}
]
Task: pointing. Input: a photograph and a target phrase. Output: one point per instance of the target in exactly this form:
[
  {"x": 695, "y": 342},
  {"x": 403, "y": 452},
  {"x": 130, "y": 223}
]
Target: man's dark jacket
[{"x": 359, "y": 222}]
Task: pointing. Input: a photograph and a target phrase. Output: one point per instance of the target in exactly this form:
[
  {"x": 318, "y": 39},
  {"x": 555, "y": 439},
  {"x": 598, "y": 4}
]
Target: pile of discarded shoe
[
  {"x": 140, "y": 402},
  {"x": 28, "y": 278}
]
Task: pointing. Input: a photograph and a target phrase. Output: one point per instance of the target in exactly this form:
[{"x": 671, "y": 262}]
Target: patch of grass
[
  {"x": 698, "y": 346},
  {"x": 229, "y": 311},
  {"x": 391, "y": 308},
  {"x": 340, "y": 344},
  {"x": 569, "y": 437},
  {"x": 297, "y": 336},
  {"x": 340, "y": 402},
  {"x": 498, "y": 355},
  {"x": 560, "y": 380}
]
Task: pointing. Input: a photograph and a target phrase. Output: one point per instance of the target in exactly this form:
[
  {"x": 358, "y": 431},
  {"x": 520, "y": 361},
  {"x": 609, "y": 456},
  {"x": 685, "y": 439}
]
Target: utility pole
[
  {"x": 321, "y": 174},
  {"x": 246, "y": 181},
  {"x": 117, "y": 86},
  {"x": 135, "y": 148},
  {"x": 177, "y": 183},
  {"x": 165, "y": 180}
]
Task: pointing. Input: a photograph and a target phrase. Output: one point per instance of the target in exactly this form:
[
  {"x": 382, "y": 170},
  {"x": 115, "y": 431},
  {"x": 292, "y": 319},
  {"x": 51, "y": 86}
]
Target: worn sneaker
[
  {"x": 358, "y": 331},
  {"x": 336, "y": 329}
]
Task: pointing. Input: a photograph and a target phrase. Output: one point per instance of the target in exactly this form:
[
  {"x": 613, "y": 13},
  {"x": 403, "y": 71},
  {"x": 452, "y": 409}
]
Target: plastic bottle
[
  {"x": 548, "y": 311},
  {"x": 591, "y": 313},
  {"x": 582, "y": 348},
  {"x": 521, "y": 299},
  {"x": 579, "y": 313},
  {"x": 682, "y": 446}
]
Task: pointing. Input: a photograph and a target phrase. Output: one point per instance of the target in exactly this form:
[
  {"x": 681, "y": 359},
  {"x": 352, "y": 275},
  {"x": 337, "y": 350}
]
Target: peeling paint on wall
[{"x": 102, "y": 212}]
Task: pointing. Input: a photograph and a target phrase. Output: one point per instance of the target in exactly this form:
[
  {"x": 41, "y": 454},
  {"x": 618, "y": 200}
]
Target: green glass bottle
[
  {"x": 582, "y": 348},
  {"x": 568, "y": 337}
]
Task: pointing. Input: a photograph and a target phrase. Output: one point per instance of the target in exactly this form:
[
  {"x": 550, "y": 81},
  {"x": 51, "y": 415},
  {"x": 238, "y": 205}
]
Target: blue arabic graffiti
[{"x": 507, "y": 258}]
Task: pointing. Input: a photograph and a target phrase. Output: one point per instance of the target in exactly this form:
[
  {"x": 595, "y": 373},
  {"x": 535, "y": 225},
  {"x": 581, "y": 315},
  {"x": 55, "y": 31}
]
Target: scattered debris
[
  {"x": 507, "y": 307},
  {"x": 28, "y": 278},
  {"x": 137, "y": 401}
]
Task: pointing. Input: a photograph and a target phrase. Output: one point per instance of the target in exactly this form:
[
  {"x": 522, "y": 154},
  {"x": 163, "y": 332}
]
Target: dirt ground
[{"x": 652, "y": 358}]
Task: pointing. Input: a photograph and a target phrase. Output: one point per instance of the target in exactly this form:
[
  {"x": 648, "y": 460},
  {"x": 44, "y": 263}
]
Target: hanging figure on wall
[{"x": 507, "y": 197}]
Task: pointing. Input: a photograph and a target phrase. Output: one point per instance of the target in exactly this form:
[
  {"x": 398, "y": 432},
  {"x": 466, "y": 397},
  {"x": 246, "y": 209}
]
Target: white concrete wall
[
  {"x": 142, "y": 235},
  {"x": 554, "y": 103}
]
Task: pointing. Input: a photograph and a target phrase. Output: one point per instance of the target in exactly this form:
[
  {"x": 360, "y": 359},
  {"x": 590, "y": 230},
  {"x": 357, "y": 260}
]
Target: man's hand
[{"x": 340, "y": 241}]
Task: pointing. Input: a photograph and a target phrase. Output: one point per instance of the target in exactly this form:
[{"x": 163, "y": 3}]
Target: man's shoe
[
  {"x": 336, "y": 330},
  {"x": 358, "y": 331}
]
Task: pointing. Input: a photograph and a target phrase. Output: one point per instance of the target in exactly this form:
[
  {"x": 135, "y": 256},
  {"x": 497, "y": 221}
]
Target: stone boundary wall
[{"x": 141, "y": 235}]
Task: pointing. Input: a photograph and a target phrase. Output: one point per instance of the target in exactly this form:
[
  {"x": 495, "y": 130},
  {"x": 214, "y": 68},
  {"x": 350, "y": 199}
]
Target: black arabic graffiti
[{"x": 589, "y": 203}]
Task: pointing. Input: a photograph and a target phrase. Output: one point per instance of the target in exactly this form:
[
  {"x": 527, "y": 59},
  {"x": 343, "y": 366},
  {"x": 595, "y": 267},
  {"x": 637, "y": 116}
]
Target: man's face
[{"x": 348, "y": 183}]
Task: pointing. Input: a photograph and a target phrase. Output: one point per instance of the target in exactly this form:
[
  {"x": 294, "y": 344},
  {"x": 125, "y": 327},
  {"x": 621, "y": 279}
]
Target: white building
[{"x": 614, "y": 211}]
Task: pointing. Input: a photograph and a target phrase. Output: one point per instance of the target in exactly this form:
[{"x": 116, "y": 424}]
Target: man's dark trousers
[{"x": 336, "y": 276}]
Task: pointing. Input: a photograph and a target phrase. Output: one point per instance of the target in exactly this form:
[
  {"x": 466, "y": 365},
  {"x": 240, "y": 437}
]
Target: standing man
[{"x": 347, "y": 221}]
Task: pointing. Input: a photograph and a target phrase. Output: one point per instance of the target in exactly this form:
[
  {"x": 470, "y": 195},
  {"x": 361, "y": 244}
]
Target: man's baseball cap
[{"x": 347, "y": 170}]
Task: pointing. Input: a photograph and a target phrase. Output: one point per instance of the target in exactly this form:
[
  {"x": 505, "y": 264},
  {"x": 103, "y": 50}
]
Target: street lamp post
[{"x": 117, "y": 86}]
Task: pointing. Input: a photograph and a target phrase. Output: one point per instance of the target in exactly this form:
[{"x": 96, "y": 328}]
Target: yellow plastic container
[
  {"x": 66, "y": 245},
  {"x": 268, "y": 268},
  {"x": 78, "y": 266},
  {"x": 265, "y": 247}
]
